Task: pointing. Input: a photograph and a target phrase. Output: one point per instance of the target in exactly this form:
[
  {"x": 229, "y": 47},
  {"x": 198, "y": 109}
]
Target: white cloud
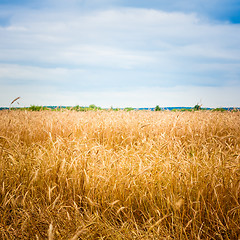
[
  {"x": 17, "y": 73},
  {"x": 186, "y": 96},
  {"x": 127, "y": 49}
]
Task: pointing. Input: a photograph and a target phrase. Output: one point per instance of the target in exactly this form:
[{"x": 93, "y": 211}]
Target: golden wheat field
[{"x": 119, "y": 175}]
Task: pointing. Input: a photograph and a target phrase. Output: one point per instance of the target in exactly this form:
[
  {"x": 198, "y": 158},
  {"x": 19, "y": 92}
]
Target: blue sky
[{"x": 120, "y": 53}]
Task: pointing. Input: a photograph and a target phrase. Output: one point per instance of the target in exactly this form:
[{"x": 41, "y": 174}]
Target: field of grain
[{"x": 119, "y": 175}]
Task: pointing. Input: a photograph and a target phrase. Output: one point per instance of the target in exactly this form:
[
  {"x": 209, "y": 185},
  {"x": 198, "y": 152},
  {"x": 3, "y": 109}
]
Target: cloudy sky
[{"x": 119, "y": 53}]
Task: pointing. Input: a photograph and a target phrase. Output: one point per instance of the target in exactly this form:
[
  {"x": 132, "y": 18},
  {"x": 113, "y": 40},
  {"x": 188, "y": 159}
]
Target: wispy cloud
[{"x": 116, "y": 50}]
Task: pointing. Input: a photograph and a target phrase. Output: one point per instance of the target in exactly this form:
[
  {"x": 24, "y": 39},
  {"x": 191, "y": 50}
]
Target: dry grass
[{"x": 119, "y": 175}]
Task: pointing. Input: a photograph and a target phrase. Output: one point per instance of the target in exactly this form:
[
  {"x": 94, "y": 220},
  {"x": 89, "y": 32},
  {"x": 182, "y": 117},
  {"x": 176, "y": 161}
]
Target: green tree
[
  {"x": 92, "y": 106},
  {"x": 197, "y": 107},
  {"x": 157, "y": 108},
  {"x": 37, "y": 108},
  {"x": 128, "y": 109}
]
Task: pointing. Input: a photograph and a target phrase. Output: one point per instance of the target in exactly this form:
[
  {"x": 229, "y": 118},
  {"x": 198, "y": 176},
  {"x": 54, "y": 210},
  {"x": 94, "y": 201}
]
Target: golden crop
[{"x": 119, "y": 175}]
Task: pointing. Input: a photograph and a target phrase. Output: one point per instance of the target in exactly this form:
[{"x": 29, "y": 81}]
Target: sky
[{"x": 120, "y": 53}]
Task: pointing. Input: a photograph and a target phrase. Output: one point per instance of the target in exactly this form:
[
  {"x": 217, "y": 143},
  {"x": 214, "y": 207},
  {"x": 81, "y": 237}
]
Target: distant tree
[
  {"x": 219, "y": 110},
  {"x": 37, "y": 108},
  {"x": 157, "y": 108},
  {"x": 197, "y": 107},
  {"x": 92, "y": 106},
  {"x": 76, "y": 108},
  {"x": 128, "y": 109}
]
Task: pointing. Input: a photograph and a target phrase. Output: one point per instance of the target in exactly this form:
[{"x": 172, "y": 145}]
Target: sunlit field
[{"x": 119, "y": 175}]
